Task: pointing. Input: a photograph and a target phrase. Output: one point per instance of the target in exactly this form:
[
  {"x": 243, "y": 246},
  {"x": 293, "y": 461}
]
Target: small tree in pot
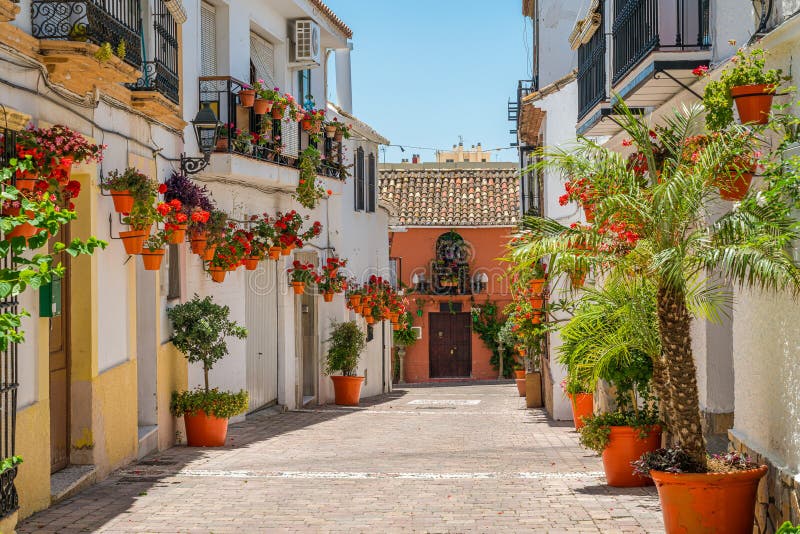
[
  {"x": 201, "y": 327},
  {"x": 346, "y": 343}
]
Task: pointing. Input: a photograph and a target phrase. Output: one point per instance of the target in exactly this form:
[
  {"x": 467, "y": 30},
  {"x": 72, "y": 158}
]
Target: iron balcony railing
[
  {"x": 161, "y": 73},
  {"x": 642, "y": 26},
  {"x": 95, "y": 21},
  {"x": 278, "y": 141},
  {"x": 591, "y": 73}
]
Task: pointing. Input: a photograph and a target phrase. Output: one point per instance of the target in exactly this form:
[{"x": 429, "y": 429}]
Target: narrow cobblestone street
[{"x": 431, "y": 459}]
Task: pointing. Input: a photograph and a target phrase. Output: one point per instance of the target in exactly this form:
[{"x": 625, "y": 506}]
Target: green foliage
[
  {"x": 309, "y": 192},
  {"x": 487, "y": 323},
  {"x": 140, "y": 186},
  {"x": 10, "y": 463},
  {"x": 104, "y": 53},
  {"x": 405, "y": 337},
  {"x": 200, "y": 328},
  {"x": 787, "y": 528},
  {"x": 597, "y": 428},
  {"x": 121, "y": 49},
  {"x": 220, "y": 404},
  {"x": 346, "y": 343}
]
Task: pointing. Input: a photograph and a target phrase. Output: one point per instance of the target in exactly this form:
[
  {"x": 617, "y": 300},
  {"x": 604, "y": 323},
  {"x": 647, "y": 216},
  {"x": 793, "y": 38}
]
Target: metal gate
[{"x": 261, "y": 309}]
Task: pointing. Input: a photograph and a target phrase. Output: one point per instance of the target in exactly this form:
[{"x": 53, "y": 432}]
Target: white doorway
[{"x": 261, "y": 309}]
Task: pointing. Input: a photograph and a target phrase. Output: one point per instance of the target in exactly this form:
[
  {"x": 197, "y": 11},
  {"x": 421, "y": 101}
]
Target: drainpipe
[{"x": 344, "y": 86}]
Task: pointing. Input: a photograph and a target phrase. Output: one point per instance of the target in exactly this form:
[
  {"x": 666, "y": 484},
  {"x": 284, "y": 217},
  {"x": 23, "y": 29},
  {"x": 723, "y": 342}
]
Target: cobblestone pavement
[{"x": 430, "y": 459}]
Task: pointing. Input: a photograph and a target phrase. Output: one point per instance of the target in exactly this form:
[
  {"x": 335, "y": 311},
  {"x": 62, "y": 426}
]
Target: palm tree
[{"x": 652, "y": 221}]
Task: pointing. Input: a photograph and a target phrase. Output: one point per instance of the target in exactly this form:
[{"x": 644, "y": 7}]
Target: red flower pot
[
  {"x": 152, "y": 259},
  {"x": 25, "y": 230},
  {"x": 246, "y": 97},
  {"x": 299, "y": 287},
  {"x": 347, "y": 389},
  {"x": 123, "y": 201},
  {"x": 251, "y": 263},
  {"x": 208, "y": 253},
  {"x": 521, "y": 386},
  {"x": 736, "y": 186},
  {"x": 327, "y": 296},
  {"x": 274, "y": 253},
  {"x": 203, "y": 430},
  {"x": 217, "y": 274},
  {"x": 708, "y": 502},
  {"x": 582, "y": 406},
  {"x": 260, "y": 107},
  {"x": 176, "y": 236},
  {"x": 625, "y": 446},
  {"x": 133, "y": 241},
  {"x": 753, "y": 102},
  {"x": 26, "y": 180}
]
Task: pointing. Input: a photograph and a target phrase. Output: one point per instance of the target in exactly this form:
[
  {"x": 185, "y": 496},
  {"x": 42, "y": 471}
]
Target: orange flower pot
[
  {"x": 198, "y": 241},
  {"x": 347, "y": 389},
  {"x": 277, "y": 112},
  {"x": 260, "y": 106},
  {"x": 178, "y": 235},
  {"x": 355, "y": 300},
  {"x": 299, "y": 287},
  {"x": 708, "y": 502},
  {"x": 203, "y": 430},
  {"x": 519, "y": 373},
  {"x": 582, "y": 406},
  {"x": 370, "y": 319},
  {"x": 625, "y": 446},
  {"x": 753, "y": 102},
  {"x": 26, "y": 180},
  {"x": 358, "y": 309},
  {"x": 274, "y": 253},
  {"x": 306, "y": 123},
  {"x": 217, "y": 274},
  {"x": 328, "y": 296},
  {"x": 123, "y": 201},
  {"x": 152, "y": 259},
  {"x": 367, "y": 311},
  {"x": 247, "y": 97},
  {"x": 536, "y": 317},
  {"x": 536, "y": 285},
  {"x": 735, "y": 188},
  {"x": 208, "y": 253},
  {"x": 251, "y": 263},
  {"x": 536, "y": 302},
  {"x": 520, "y": 386},
  {"x": 133, "y": 241},
  {"x": 396, "y": 326}
]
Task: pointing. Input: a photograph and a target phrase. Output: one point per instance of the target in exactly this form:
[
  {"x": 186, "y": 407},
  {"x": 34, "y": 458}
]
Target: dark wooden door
[
  {"x": 450, "y": 347},
  {"x": 59, "y": 371}
]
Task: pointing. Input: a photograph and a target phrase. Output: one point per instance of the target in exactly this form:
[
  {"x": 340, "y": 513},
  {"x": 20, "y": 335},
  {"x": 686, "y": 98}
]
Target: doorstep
[
  {"x": 148, "y": 440},
  {"x": 71, "y": 480}
]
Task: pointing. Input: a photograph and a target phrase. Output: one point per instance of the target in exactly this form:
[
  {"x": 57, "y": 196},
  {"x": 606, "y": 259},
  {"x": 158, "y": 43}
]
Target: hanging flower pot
[
  {"x": 327, "y": 296},
  {"x": 277, "y": 111},
  {"x": 274, "y": 253},
  {"x": 367, "y": 311},
  {"x": 123, "y": 201},
  {"x": 299, "y": 288},
  {"x": 736, "y": 185},
  {"x": 582, "y": 406},
  {"x": 330, "y": 131},
  {"x": 251, "y": 263},
  {"x": 26, "y": 180},
  {"x": 217, "y": 274},
  {"x": 753, "y": 102},
  {"x": 260, "y": 107},
  {"x": 625, "y": 445},
  {"x": 355, "y": 300},
  {"x": 208, "y": 254},
  {"x": 152, "y": 258},
  {"x": 285, "y": 251},
  {"x": 396, "y": 326},
  {"x": 536, "y": 302},
  {"x": 178, "y": 234},
  {"x": 338, "y": 136},
  {"x": 708, "y": 502},
  {"x": 370, "y": 319},
  {"x": 198, "y": 241},
  {"x": 133, "y": 241},
  {"x": 246, "y": 97},
  {"x": 306, "y": 124}
]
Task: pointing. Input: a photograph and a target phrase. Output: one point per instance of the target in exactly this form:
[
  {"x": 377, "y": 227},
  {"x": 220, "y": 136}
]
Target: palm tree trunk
[
  {"x": 676, "y": 350},
  {"x": 660, "y": 383}
]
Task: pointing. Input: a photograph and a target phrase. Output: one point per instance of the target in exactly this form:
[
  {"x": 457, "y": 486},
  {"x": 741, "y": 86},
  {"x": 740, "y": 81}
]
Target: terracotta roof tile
[{"x": 459, "y": 195}]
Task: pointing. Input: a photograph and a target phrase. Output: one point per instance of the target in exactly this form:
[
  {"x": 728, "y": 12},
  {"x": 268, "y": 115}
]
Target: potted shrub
[
  {"x": 214, "y": 230},
  {"x": 247, "y": 96},
  {"x": 745, "y": 81},
  {"x": 302, "y": 275},
  {"x": 140, "y": 220},
  {"x": 670, "y": 222},
  {"x": 128, "y": 187},
  {"x": 176, "y": 222},
  {"x": 345, "y": 345},
  {"x": 402, "y": 338},
  {"x": 200, "y": 328},
  {"x": 153, "y": 250}
]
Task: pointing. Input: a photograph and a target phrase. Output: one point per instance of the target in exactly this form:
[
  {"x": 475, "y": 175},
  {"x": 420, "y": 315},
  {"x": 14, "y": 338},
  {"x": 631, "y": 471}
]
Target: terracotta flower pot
[
  {"x": 708, "y": 502},
  {"x": 25, "y": 230},
  {"x": 299, "y": 287},
  {"x": 203, "y": 430},
  {"x": 582, "y": 406},
  {"x": 396, "y": 326},
  {"x": 246, "y": 97},
  {"x": 277, "y": 112},
  {"x": 520, "y": 386},
  {"x": 306, "y": 124},
  {"x": 536, "y": 317},
  {"x": 133, "y": 241},
  {"x": 588, "y": 211},
  {"x": 355, "y": 300},
  {"x": 358, "y": 309},
  {"x": 519, "y": 373},
  {"x": 753, "y": 102},
  {"x": 217, "y": 274},
  {"x": 347, "y": 389},
  {"x": 26, "y": 180},
  {"x": 208, "y": 253},
  {"x": 251, "y": 263},
  {"x": 370, "y": 319},
  {"x": 222, "y": 144},
  {"x": 178, "y": 235},
  {"x": 536, "y": 302},
  {"x": 536, "y": 285},
  {"x": 123, "y": 201},
  {"x": 274, "y": 253},
  {"x": 338, "y": 136},
  {"x": 285, "y": 251},
  {"x": 327, "y": 296},
  {"x": 735, "y": 188},
  {"x": 198, "y": 241},
  {"x": 330, "y": 131},
  {"x": 152, "y": 259},
  {"x": 260, "y": 107},
  {"x": 625, "y": 446}
]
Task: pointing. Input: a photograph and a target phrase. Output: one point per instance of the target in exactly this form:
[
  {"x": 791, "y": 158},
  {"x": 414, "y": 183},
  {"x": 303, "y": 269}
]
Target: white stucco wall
[{"x": 556, "y": 20}]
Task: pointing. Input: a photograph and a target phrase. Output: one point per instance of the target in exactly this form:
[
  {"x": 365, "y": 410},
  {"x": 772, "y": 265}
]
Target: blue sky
[{"x": 425, "y": 72}]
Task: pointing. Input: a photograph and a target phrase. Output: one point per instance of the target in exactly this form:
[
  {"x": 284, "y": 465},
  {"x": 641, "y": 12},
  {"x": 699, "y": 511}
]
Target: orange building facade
[{"x": 449, "y": 229}]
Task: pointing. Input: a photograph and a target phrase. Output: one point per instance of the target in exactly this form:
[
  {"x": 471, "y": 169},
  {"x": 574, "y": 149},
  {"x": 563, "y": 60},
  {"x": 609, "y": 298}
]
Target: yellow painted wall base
[
  {"x": 33, "y": 444},
  {"x": 8, "y": 524},
  {"x": 173, "y": 375}
]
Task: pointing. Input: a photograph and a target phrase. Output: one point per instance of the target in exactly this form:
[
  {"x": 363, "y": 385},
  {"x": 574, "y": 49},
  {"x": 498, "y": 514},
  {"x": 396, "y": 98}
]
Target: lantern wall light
[{"x": 206, "y": 130}]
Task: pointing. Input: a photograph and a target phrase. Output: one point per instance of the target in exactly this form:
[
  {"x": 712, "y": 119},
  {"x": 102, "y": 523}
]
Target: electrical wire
[{"x": 403, "y": 147}]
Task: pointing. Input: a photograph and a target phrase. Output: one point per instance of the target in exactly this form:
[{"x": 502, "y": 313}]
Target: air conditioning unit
[{"x": 307, "y": 47}]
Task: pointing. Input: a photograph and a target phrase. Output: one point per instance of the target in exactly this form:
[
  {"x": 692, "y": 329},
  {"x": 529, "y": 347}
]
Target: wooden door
[
  {"x": 59, "y": 372},
  {"x": 450, "y": 347}
]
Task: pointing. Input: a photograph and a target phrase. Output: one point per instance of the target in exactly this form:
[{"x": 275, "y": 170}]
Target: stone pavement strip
[{"x": 429, "y": 459}]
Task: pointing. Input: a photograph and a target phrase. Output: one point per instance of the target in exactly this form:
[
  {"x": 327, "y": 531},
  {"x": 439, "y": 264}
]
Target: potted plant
[
  {"x": 261, "y": 105},
  {"x": 342, "y": 131},
  {"x": 345, "y": 345},
  {"x": 153, "y": 250},
  {"x": 279, "y": 106},
  {"x": 670, "y": 221},
  {"x": 200, "y": 331},
  {"x": 330, "y": 280},
  {"x": 53, "y": 151},
  {"x": 176, "y": 222},
  {"x": 264, "y": 237},
  {"x": 247, "y": 96},
  {"x": 745, "y": 81},
  {"x": 128, "y": 187},
  {"x": 302, "y": 275},
  {"x": 309, "y": 191},
  {"x": 225, "y": 133},
  {"x": 242, "y": 141},
  {"x": 402, "y": 338}
]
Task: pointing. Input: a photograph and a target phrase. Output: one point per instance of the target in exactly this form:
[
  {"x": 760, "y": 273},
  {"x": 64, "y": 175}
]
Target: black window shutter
[
  {"x": 359, "y": 185},
  {"x": 371, "y": 184}
]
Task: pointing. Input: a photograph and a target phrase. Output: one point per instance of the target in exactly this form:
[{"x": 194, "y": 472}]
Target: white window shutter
[
  {"x": 262, "y": 55},
  {"x": 208, "y": 40}
]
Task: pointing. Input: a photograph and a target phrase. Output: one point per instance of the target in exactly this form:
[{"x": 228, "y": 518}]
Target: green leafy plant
[
  {"x": 121, "y": 49},
  {"x": 597, "y": 429},
  {"x": 104, "y": 53},
  {"x": 142, "y": 188},
  {"x": 309, "y": 192},
  {"x": 345, "y": 345},
  {"x": 220, "y": 404},
  {"x": 787, "y": 528},
  {"x": 10, "y": 463},
  {"x": 405, "y": 336},
  {"x": 487, "y": 322}
]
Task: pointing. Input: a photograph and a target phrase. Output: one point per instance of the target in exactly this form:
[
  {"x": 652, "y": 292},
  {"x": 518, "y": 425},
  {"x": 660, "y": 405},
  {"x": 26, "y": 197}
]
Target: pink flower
[{"x": 700, "y": 70}]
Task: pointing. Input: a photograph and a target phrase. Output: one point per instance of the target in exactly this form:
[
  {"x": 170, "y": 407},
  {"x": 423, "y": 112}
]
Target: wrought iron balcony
[
  {"x": 161, "y": 74},
  {"x": 95, "y": 21},
  {"x": 591, "y": 73},
  {"x": 642, "y": 26},
  {"x": 158, "y": 77},
  {"x": 278, "y": 141}
]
